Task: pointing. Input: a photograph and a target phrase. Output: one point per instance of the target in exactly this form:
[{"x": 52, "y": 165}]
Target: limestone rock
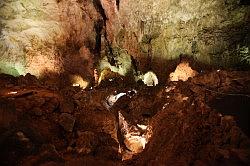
[
  {"x": 205, "y": 29},
  {"x": 35, "y": 35},
  {"x": 79, "y": 81},
  {"x": 150, "y": 79},
  {"x": 182, "y": 72}
]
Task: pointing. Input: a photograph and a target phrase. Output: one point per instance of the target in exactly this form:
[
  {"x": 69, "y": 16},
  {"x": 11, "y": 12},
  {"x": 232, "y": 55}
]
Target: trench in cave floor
[{"x": 191, "y": 123}]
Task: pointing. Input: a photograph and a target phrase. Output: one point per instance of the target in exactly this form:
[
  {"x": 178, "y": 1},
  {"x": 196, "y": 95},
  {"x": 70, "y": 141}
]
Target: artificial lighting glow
[
  {"x": 185, "y": 98},
  {"x": 143, "y": 127},
  {"x": 165, "y": 105},
  {"x": 76, "y": 85},
  {"x": 11, "y": 93},
  {"x": 107, "y": 74},
  {"x": 150, "y": 79},
  {"x": 78, "y": 81}
]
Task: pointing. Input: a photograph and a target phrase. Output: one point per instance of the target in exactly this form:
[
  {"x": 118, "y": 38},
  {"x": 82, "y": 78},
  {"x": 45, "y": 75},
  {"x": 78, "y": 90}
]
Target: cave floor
[{"x": 203, "y": 121}]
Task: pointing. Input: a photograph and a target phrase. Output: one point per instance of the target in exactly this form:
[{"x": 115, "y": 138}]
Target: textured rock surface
[
  {"x": 39, "y": 126},
  {"x": 35, "y": 34},
  {"x": 71, "y": 36},
  {"x": 30, "y": 33},
  {"x": 209, "y": 30},
  {"x": 182, "y": 72}
]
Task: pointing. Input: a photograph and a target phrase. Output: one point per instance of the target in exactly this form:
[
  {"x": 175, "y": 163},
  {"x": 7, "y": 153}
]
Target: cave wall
[
  {"x": 46, "y": 36},
  {"x": 28, "y": 35},
  {"x": 212, "y": 31},
  {"x": 68, "y": 36}
]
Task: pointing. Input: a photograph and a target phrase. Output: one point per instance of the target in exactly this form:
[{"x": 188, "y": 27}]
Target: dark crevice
[
  {"x": 118, "y": 4},
  {"x": 245, "y": 2},
  {"x": 99, "y": 27},
  {"x": 149, "y": 55},
  {"x": 99, "y": 9},
  {"x": 98, "y": 30}
]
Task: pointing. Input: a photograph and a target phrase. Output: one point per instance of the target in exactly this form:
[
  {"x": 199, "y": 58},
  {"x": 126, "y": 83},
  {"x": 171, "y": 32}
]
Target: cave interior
[{"x": 124, "y": 82}]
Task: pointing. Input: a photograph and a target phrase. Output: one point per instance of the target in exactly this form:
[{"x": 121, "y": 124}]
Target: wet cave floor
[{"x": 203, "y": 121}]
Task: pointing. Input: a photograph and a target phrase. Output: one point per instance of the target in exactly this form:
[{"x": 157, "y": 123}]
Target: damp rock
[
  {"x": 37, "y": 111},
  {"x": 67, "y": 107},
  {"x": 86, "y": 142},
  {"x": 67, "y": 121}
]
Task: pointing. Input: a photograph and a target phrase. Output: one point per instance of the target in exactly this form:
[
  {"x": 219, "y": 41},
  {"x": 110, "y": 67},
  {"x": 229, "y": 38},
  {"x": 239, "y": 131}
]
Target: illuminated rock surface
[
  {"x": 35, "y": 35},
  {"x": 49, "y": 36},
  {"x": 182, "y": 72},
  {"x": 209, "y": 30}
]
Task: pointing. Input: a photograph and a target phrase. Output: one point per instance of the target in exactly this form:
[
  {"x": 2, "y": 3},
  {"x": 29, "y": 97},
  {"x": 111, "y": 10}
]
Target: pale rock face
[
  {"x": 124, "y": 62},
  {"x": 30, "y": 33},
  {"x": 150, "y": 79},
  {"x": 182, "y": 72},
  {"x": 34, "y": 34},
  {"x": 107, "y": 74}
]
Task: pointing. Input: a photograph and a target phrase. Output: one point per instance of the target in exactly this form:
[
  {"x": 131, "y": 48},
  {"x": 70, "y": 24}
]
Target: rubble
[
  {"x": 172, "y": 124},
  {"x": 67, "y": 121}
]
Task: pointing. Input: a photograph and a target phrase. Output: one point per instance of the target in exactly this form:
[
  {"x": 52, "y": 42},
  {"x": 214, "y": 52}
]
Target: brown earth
[{"x": 203, "y": 121}]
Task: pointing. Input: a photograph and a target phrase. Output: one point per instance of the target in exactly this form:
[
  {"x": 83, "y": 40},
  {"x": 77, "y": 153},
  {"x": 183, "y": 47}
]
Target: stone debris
[
  {"x": 86, "y": 141},
  {"x": 170, "y": 88},
  {"x": 158, "y": 125}
]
